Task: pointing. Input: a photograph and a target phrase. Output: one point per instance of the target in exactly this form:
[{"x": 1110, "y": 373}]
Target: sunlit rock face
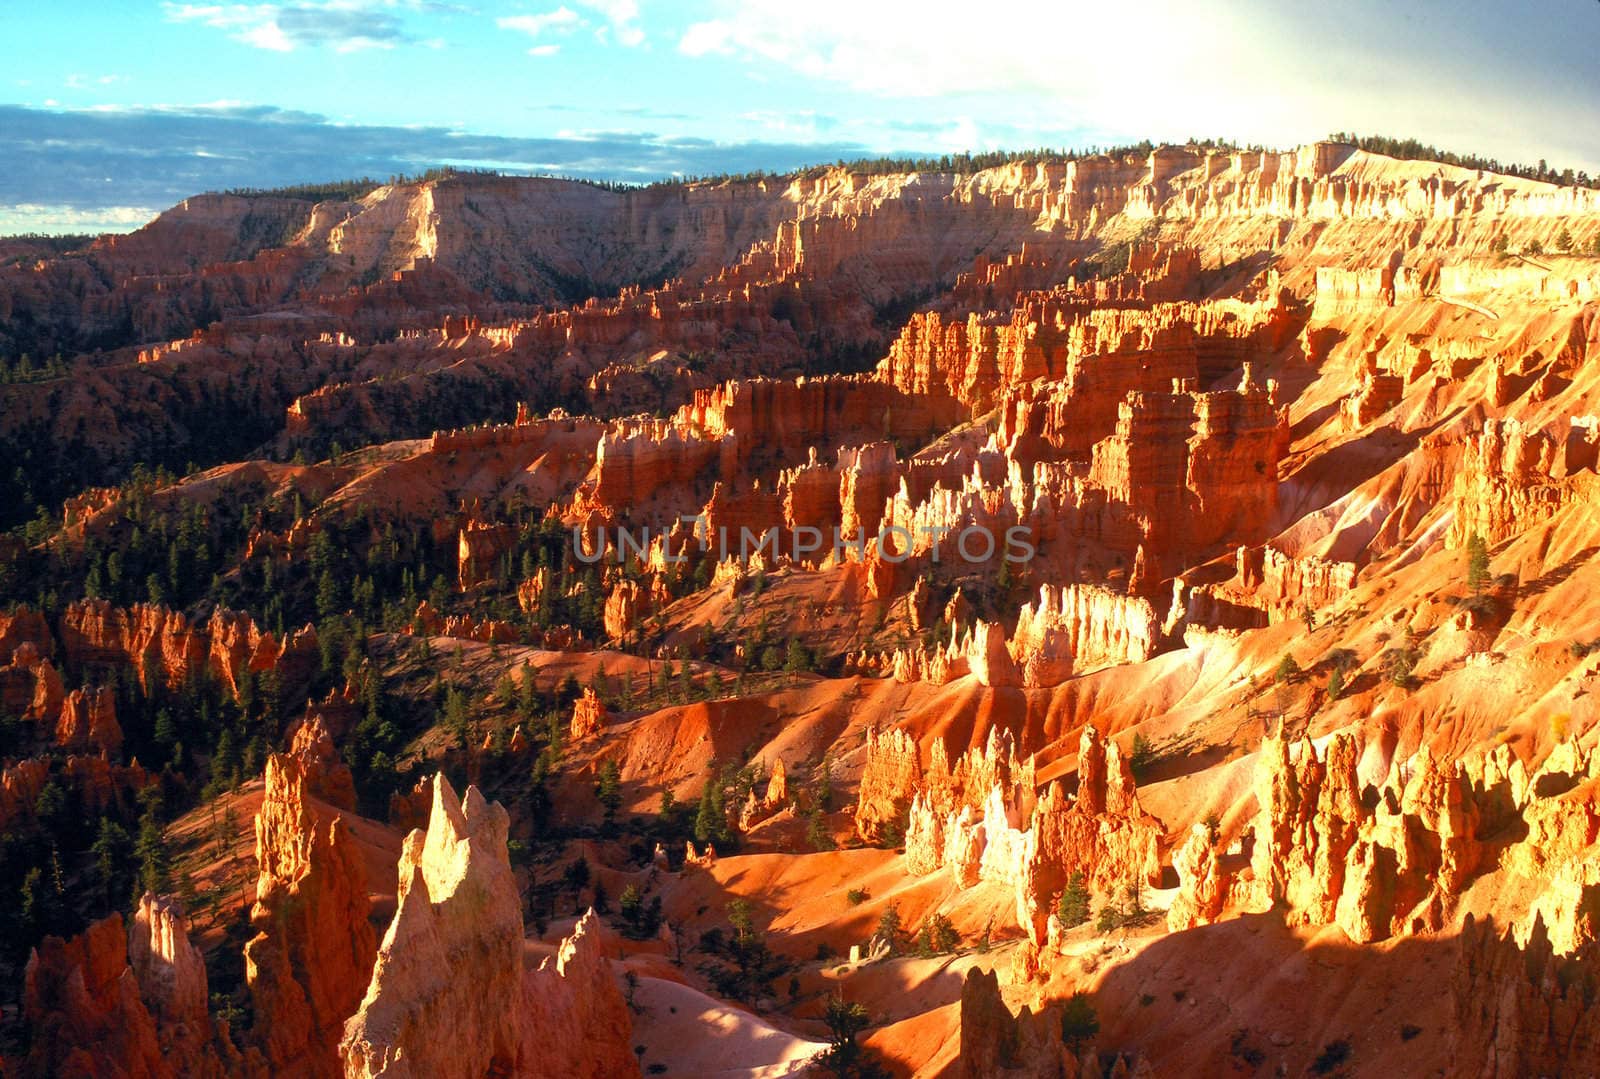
[{"x": 458, "y": 912}]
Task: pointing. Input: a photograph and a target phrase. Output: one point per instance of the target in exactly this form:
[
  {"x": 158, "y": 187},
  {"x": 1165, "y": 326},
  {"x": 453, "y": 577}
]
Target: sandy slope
[{"x": 697, "y": 1035}]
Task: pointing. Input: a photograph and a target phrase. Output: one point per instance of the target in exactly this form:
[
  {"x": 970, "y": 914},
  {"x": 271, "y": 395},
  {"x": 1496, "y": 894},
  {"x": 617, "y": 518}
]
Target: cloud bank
[
  {"x": 62, "y": 164},
  {"x": 344, "y": 25}
]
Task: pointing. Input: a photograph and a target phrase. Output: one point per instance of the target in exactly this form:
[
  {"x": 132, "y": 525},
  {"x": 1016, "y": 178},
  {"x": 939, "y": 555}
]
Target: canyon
[{"x": 1105, "y": 614}]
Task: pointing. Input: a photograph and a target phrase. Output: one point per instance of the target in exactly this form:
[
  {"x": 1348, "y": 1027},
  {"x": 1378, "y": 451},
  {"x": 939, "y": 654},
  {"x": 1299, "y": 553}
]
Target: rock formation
[
  {"x": 313, "y": 950},
  {"x": 326, "y": 777},
  {"x": 30, "y": 685},
  {"x": 1076, "y": 629},
  {"x": 172, "y": 983},
  {"x": 428, "y": 622},
  {"x": 625, "y": 608},
  {"x": 1202, "y": 883},
  {"x": 996, "y": 1043},
  {"x": 1210, "y": 408},
  {"x": 1520, "y": 1010},
  {"x": 1512, "y": 478},
  {"x": 482, "y": 543},
  {"x": 983, "y": 821},
  {"x": 588, "y": 715},
  {"x": 578, "y": 1022},
  {"x": 1268, "y": 587},
  {"x": 459, "y": 912},
  {"x": 24, "y": 626},
  {"x": 83, "y": 1003},
  {"x": 125, "y": 1004},
  {"x": 89, "y": 721},
  {"x": 889, "y": 781},
  {"x": 1378, "y": 871},
  {"x": 773, "y": 799},
  {"x": 159, "y": 644}
]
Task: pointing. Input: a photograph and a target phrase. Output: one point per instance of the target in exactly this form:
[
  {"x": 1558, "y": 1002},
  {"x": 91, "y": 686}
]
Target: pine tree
[
  {"x": 455, "y": 714},
  {"x": 109, "y": 849},
  {"x": 1079, "y": 1023},
  {"x": 1073, "y": 909},
  {"x": 527, "y": 693},
  {"x": 937, "y": 936},
  {"x": 797, "y": 658},
  {"x": 608, "y": 790},
  {"x": 817, "y": 833},
  {"x": 154, "y": 862},
  {"x": 890, "y": 927},
  {"x": 35, "y": 901},
  {"x": 711, "y": 822},
  {"x": 844, "y": 1021},
  {"x": 330, "y": 597},
  {"x": 225, "y": 760},
  {"x": 1477, "y": 563}
]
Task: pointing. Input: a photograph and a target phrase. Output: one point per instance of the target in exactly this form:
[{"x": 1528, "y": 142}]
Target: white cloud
[
  {"x": 1166, "y": 69},
  {"x": 346, "y": 25},
  {"x": 561, "y": 20},
  {"x": 253, "y": 24},
  {"x": 711, "y": 36},
  {"x": 933, "y": 48},
  {"x": 81, "y": 82},
  {"x": 618, "y": 23},
  {"x": 60, "y": 220},
  {"x": 621, "y": 17},
  {"x": 267, "y": 35}
]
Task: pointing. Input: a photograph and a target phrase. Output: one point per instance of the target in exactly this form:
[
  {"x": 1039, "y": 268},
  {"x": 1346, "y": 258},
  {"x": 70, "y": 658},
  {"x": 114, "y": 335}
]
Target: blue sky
[{"x": 112, "y": 111}]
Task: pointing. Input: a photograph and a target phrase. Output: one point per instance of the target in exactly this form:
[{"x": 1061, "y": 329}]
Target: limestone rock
[
  {"x": 83, "y": 1004},
  {"x": 984, "y": 822},
  {"x": 576, "y": 1015},
  {"x": 172, "y": 983},
  {"x": 313, "y": 950},
  {"x": 326, "y": 777},
  {"x": 89, "y": 721},
  {"x": 1520, "y": 1010},
  {"x": 458, "y": 909},
  {"x": 588, "y": 715},
  {"x": 889, "y": 780},
  {"x": 459, "y": 913},
  {"x": 996, "y": 1043},
  {"x": 1375, "y": 866},
  {"x": 1513, "y": 477},
  {"x": 468, "y": 627},
  {"x": 163, "y": 647},
  {"x": 1079, "y": 628},
  {"x": 625, "y": 607},
  {"x": 24, "y": 626},
  {"x": 773, "y": 799},
  {"x": 1202, "y": 885}
]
